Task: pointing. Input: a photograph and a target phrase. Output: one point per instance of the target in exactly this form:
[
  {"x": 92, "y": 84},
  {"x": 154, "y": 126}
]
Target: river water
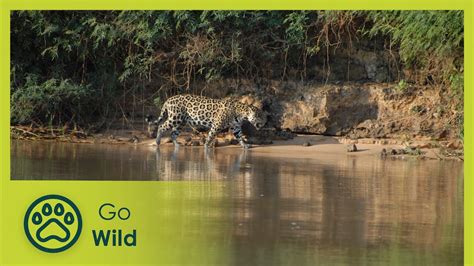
[{"x": 346, "y": 210}]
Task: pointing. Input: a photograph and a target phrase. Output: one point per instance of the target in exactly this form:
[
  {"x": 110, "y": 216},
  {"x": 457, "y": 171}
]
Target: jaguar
[{"x": 205, "y": 114}]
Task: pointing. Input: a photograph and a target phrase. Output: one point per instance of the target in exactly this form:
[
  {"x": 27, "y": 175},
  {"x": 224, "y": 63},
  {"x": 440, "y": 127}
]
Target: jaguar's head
[{"x": 256, "y": 117}]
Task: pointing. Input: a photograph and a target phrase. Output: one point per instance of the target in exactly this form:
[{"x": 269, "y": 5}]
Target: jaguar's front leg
[
  {"x": 237, "y": 131},
  {"x": 211, "y": 138}
]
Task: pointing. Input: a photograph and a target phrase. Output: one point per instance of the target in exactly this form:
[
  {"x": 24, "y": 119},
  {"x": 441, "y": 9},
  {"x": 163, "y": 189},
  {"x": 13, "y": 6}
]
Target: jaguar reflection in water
[{"x": 276, "y": 210}]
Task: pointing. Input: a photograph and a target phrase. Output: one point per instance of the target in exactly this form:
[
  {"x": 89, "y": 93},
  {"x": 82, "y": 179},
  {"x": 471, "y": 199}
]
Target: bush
[
  {"x": 52, "y": 102},
  {"x": 431, "y": 42}
]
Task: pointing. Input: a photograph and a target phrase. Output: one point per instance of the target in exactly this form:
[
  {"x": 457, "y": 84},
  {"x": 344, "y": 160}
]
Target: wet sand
[
  {"x": 322, "y": 147},
  {"x": 301, "y": 146}
]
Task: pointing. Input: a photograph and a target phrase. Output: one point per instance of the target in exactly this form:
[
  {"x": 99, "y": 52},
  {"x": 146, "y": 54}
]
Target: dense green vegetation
[
  {"x": 84, "y": 66},
  {"x": 430, "y": 41}
]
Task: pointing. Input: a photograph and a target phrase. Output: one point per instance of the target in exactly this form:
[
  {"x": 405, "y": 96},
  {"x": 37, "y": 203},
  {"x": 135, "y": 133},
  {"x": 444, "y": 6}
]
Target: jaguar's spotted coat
[{"x": 201, "y": 112}]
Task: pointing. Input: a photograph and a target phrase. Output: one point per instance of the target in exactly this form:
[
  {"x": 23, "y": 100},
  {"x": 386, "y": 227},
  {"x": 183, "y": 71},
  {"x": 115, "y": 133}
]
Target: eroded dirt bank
[{"x": 355, "y": 110}]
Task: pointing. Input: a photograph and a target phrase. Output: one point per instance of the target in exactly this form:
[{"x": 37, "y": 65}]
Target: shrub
[
  {"x": 431, "y": 42},
  {"x": 53, "y": 102}
]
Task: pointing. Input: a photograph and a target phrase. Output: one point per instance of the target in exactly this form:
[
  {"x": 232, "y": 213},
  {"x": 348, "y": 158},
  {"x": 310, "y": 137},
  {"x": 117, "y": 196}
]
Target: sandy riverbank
[
  {"x": 301, "y": 146},
  {"x": 326, "y": 146}
]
